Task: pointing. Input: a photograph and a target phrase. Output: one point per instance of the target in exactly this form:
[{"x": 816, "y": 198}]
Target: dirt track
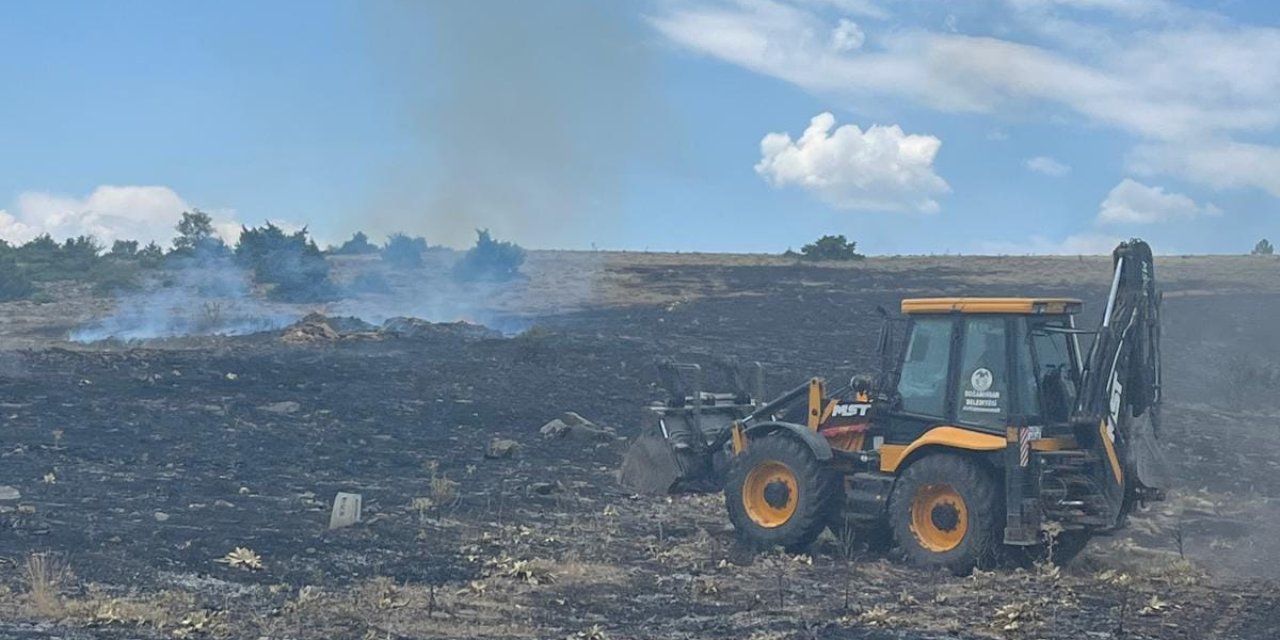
[{"x": 139, "y": 468}]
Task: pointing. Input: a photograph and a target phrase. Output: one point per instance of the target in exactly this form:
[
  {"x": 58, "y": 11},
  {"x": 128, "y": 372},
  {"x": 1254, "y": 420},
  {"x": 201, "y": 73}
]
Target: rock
[
  {"x": 9, "y": 493},
  {"x": 161, "y": 516},
  {"x": 500, "y": 448},
  {"x": 346, "y": 510},
  {"x": 544, "y": 488},
  {"x": 282, "y": 408},
  {"x": 572, "y": 425}
]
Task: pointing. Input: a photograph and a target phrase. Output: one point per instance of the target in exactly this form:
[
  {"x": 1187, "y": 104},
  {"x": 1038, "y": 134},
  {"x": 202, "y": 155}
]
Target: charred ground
[{"x": 141, "y": 466}]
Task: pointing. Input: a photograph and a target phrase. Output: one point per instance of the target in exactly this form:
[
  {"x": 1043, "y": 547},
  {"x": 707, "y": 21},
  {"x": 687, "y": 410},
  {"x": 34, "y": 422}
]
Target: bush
[
  {"x": 15, "y": 282},
  {"x": 127, "y": 249},
  {"x": 45, "y": 259},
  {"x": 828, "y": 248},
  {"x": 489, "y": 260},
  {"x": 1263, "y": 248},
  {"x": 291, "y": 263},
  {"x": 151, "y": 255},
  {"x": 358, "y": 245},
  {"x": 403, "y": 251}
]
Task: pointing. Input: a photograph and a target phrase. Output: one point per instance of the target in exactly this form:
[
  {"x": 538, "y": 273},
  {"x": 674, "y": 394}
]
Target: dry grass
[{"x": 45, "y": 574}]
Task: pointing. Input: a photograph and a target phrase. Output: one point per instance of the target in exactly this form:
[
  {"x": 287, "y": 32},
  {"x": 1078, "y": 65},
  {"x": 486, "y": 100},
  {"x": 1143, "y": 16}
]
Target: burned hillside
[{"x": 138, "y": 469}]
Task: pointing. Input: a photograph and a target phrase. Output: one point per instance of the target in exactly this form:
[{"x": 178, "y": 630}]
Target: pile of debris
[
  {"x": 314, "y": 327},
  {"x": 317, "y": 327}
]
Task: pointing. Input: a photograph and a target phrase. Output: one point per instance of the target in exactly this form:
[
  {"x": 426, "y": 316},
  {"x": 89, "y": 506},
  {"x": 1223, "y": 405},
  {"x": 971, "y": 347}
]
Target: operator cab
[{"x": 987, "y": 363}]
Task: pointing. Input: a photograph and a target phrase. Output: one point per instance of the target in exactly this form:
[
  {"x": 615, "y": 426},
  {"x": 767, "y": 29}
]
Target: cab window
[
  {"x": 923, "y": 382},
  {"x": 983, "y": 393},
  {"x": 1055, "y": 375}
]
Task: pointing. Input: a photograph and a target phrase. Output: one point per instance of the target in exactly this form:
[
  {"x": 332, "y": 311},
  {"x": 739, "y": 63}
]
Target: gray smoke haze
[
  {"x": 526, "y": 116},
  {"x": 205, "y": 297}
]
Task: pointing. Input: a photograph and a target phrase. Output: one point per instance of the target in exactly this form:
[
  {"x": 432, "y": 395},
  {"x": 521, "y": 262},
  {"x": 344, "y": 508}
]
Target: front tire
[
  {"x": 778, "y": 494},
  {"x": 945, "y": 511}
]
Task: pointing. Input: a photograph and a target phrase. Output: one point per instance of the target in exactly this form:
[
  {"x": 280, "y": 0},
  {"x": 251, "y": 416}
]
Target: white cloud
[
  {"x": 847, "y": 36},
  {"x": 1221, "y": 164},
  {"x": 143, "y": 213},
  {"x": 881, "y": 169},
  {"x": 1082, "y": 244},
  {"x": 1048, "y": 166},
  {"x": 1134, "y": 202}
]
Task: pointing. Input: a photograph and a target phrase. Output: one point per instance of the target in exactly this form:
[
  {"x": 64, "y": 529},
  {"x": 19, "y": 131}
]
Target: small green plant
[{"x": 1263, "y": 248}]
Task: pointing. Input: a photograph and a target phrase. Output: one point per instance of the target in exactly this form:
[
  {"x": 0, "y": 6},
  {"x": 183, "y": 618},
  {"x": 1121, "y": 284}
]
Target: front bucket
[{"x": 650, "y": 466}]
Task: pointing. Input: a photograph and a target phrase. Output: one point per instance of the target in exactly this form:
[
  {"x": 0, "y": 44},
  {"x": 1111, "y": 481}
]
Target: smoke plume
[{"x": 526, "y": 116}]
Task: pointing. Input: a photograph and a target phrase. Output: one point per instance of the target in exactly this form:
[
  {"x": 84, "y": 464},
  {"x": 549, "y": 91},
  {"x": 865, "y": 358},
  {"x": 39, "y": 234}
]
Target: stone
[
  {"x": 161, "y": 516},
  {"x": 572, "y": 425},
  {"x": 281, "y": 408},
  {"x": 346, "y": 510},
  {"x": 500, "y": 448},
  {"x": 9, "y": 493}
]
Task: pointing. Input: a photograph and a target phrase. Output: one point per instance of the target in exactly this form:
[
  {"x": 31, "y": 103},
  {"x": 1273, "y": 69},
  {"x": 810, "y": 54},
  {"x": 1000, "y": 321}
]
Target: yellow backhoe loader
[{"x": 987, "y": 432}]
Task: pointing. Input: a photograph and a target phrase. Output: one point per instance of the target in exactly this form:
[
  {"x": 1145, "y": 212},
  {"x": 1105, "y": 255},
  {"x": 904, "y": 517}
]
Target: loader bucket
[{"x": 650, "y": 466}]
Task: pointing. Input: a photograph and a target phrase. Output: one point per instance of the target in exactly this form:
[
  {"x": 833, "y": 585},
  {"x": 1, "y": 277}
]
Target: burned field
[{"x": 140, "y": 469}]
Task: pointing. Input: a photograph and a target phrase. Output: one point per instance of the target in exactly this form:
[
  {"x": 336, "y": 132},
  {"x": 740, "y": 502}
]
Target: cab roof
[{"x": 912, "y": 306}]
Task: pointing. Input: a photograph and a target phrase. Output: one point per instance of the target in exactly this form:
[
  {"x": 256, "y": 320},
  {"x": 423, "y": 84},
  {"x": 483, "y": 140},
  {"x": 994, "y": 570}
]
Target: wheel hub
[
  {"x": 769, "y": 494},
  {"x": 777, "y": 494},
  {"x": 945, "y": 517}
]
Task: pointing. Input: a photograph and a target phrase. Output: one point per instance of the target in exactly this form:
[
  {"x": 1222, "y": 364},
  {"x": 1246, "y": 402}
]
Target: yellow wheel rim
[
  {"x": 769, "y": 494},
  {"x": 939, "y": 517}
]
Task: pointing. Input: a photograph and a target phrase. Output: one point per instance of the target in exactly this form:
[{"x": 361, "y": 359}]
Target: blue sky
[{"x": 990, "y": 126}]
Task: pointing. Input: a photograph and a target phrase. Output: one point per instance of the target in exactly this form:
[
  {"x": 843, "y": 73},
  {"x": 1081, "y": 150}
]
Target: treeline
[{"x": 288, "y": 264}]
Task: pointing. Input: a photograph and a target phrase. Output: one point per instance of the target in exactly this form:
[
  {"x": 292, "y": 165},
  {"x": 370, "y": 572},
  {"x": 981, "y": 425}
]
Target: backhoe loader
[{"x": 986, "y": 434}]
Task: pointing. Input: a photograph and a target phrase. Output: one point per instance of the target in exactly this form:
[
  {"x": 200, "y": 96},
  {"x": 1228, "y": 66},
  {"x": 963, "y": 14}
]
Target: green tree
[
  {"x": 358, "y": 245},
  {"x": 490, "y": 260},
  {"x": 404, "y": 251},
  {"x": 290, "y": 261},
  {"x": 15, "y": 281},
  {"x": 196, "y": 235},
  {"x": 828, "y": 248},
  {"x": 1263, "y": 248},
  {"x": 124, "y": 249}
]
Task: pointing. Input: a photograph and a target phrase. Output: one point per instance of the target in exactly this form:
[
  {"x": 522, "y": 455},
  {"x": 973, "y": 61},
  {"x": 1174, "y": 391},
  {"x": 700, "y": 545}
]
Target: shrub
[
  {"x": 151, "y": 255},
  {"x": 15, "y": 282},
  {"x": 47, "y": 260},
  {"x": 829, "y": 248},
  {"x": 292, "y": 263},
  {"x": 489, "y": 260},
  {"x": 124, "y": 249},
  {"x": 1263, "y": 248},
  {"x": 358, "y": 245},
  {"x": 403, "y": 251}
]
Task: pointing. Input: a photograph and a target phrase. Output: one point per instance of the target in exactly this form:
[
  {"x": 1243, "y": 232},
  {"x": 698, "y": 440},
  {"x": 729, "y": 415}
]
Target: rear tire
[
  {"x": 945, "y": 511},
  {"x": 778, "y": 494}
]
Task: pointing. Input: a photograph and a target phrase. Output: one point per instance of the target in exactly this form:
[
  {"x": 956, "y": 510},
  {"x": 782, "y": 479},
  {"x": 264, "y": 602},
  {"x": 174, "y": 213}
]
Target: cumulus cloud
[
  {"x": 1162, "y": 73},
  {"x": 1082, "y": 244},
  {"x": 110, "y": 212},
  {"x": 1048, "y": 166},
  {"x": 1220, "y": 164},
  {"x": 847, "y": 36},
  {"x": 1134, "y": 202},
  {"x": 880, "y": 169}
]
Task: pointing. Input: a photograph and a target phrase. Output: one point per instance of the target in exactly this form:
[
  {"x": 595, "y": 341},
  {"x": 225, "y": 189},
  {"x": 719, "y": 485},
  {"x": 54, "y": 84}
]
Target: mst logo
[{"x": 851, "y": 409}]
